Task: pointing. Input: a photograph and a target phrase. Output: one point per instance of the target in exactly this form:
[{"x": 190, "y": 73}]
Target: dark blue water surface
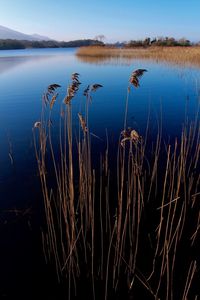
[{"x": 167, "y": 92}]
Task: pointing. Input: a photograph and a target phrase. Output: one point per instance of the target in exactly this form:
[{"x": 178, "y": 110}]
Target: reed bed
[
  {"x": 178, "y": 55},
  {"x": 132, "y": 233}
]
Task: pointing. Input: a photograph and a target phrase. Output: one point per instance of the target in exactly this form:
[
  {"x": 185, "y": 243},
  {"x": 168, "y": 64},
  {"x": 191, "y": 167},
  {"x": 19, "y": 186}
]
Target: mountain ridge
[{"x": 7, "y": 33}]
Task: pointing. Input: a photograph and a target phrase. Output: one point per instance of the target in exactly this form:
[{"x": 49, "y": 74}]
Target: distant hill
[
  {"x": 7, "y": 33},
  {"x": 39, "y": 37},
  {"x": 11, "y": 39}
]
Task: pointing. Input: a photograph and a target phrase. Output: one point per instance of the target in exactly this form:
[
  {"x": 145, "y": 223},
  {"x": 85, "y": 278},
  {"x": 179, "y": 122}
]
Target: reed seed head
[
  {"x": 37, "y": 124},
  {"x": 134, "y": 79},
  {"x": 95, "y": 87},
  {"x": 83, "y": 123},
  {"x": 73, "y": 88},
  {"x": 130, "y": 135}
]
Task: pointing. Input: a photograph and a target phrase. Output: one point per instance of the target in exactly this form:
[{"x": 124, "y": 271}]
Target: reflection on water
[
  {"x": 103, "y": 60},
  {"x": 9, "y": 63}
]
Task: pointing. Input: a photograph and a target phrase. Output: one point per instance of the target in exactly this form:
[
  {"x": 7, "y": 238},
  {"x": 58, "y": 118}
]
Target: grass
[
  {"x": 129, "y": 233},
  {"x": 178, "y": 55}
]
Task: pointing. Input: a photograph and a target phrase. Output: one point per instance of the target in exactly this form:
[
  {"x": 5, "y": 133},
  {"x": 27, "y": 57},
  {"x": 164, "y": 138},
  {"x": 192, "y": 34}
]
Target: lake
[
  {"x": 168, "y": 95},
  {"x": 169, "y": 90}
]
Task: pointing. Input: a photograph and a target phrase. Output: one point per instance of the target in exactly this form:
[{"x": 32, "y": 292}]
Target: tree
[
  {"x": 184, "y": 42},
  {"x": 100, "y": 37},
  {"x": 147, "y": 42}
]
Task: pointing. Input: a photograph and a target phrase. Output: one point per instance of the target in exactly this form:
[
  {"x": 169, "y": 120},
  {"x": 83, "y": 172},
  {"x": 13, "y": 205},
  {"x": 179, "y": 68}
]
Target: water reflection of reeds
[{"x": 105, "y": 60}]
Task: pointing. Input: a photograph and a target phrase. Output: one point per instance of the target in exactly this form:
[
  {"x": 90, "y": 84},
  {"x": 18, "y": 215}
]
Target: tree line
[
  {"x": 147, "y": 42},
  {"x": 162, "y": 41},
  {"x": 9, "y": 44}
]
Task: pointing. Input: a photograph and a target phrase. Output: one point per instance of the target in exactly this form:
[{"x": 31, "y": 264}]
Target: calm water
[{"x": 166, "y": 90}]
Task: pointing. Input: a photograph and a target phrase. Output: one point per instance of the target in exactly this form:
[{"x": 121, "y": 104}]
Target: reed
[
  {"x": 178, "y": 55},
  {"x": 127, "y": 234}
]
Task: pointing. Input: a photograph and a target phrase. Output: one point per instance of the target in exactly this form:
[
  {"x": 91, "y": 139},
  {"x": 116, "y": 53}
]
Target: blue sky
[{"x": 116, "y": 19}]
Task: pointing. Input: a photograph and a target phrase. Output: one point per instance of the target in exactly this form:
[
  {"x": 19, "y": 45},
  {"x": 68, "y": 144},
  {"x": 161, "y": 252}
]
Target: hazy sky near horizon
[{"x": 118, "y": 20}]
